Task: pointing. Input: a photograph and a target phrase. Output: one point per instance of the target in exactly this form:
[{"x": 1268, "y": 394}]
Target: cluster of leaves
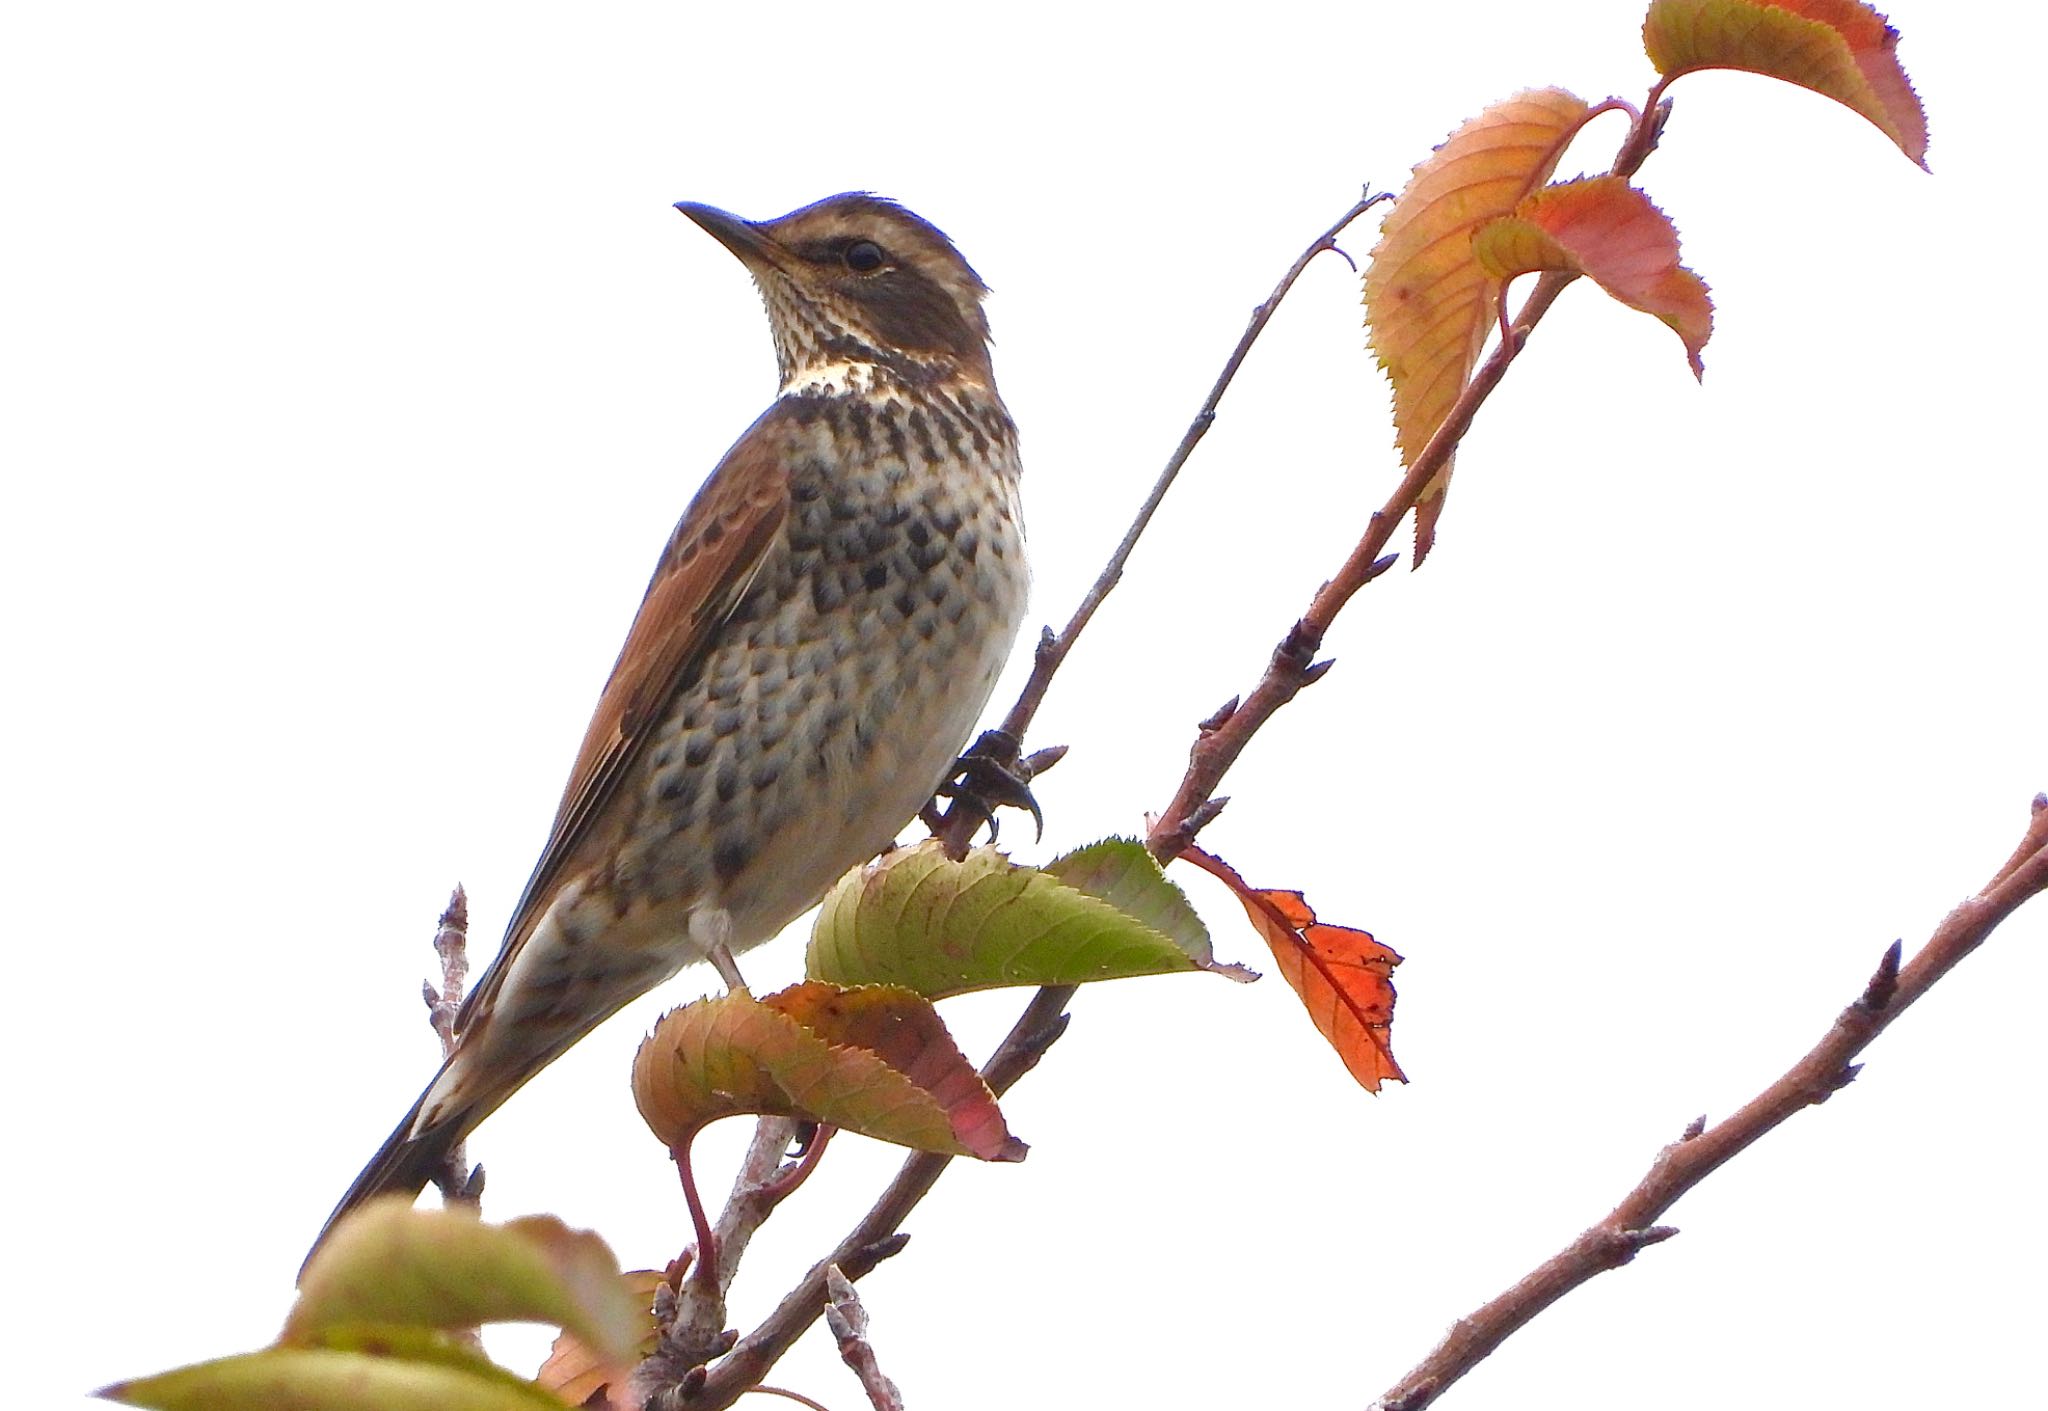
[
  {"x": 1483, "y": 209},
  {"x": 857, "y": 1046}
]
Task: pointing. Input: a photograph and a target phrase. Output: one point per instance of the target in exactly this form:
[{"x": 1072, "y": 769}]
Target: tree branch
[
  {"x": 1702, "y": 1150},
  {"x": 457, "y": 1182},
  {"x": 1293, "y": 664},
  {"x": 848, "y": 1321},
  {"x": 1052, "y": 648}
]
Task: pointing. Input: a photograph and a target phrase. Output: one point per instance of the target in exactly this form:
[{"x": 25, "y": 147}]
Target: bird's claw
[{"x": 993, "y": 773}]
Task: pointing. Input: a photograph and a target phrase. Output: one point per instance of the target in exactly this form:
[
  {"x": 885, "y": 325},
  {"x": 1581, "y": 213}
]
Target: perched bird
[{"x": 820, "y": 635}]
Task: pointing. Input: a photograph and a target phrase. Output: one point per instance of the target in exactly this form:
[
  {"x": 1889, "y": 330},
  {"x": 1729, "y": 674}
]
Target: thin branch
[
  {"x": 1053, "y": 648},
  {"x": 458, "y": 1184},
  {"x": 848, "y": 1321},
  {"x": 1702, "y": 1150},
  {"x": 1293, "y": 663},
  {"x": 798, "y": 1397},
  {"x": 451, "y": 943}
]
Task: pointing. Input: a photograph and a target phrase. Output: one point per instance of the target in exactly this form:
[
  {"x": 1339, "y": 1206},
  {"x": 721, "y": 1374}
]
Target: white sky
[{"x": 356, "y": 369}]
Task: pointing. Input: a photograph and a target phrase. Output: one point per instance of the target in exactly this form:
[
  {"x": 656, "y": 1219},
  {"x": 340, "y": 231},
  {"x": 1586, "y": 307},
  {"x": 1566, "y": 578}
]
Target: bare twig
[
  {"x": 1293, "y": 662},
  {"x": 1702, "y": 1150},
  {"x": 1053, "y": 647},
  {"x": 451, "y": 943},
  {"x": 798, "y": 1397},
  {"x": 848, "y": 1321},
  {"x": 458, "y": 1184}
]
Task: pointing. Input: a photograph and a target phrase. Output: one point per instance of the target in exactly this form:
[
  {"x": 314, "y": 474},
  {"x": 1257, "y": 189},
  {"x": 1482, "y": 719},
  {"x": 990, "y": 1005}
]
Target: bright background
[{"x": 356, "y": 368}]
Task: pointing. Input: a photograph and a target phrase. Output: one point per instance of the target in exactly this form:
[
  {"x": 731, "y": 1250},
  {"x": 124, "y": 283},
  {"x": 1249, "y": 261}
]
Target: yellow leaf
[{"x": 1428, "y": 303}]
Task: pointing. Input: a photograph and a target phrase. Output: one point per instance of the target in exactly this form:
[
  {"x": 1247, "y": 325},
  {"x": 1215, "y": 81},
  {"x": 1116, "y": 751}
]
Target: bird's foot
[{"x": 994, "y": 773}]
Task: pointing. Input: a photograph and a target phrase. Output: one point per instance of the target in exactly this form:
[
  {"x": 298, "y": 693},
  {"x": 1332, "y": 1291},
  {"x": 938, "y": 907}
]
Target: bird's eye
[{"x": 863, "y": 257}]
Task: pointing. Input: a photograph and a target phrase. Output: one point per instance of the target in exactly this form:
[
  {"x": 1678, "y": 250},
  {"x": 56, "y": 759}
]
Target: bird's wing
[{"x": 709, "y": 563}]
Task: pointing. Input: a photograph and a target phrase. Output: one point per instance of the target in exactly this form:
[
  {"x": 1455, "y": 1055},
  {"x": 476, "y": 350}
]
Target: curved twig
[
  {"x": 1293, "y": 664},
  {"x": 1702, "y": 1150},
  {"x": 1053, "y": 647}
]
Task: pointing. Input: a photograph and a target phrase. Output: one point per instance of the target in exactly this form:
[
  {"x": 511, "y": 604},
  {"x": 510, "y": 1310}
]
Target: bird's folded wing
[{"x": 710, "y": 562}]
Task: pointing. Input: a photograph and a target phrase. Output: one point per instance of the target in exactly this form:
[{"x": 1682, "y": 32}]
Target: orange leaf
[
  {"x": 1428, "y": 304},
  {"x": 577, "y": 1372},
  {"x": 904, "y": 1032},
  {"x": 1603, "y": 227},
  {"x": 1840, "y": 49},
  {"x": 1343, "y": 976},
  {"x": 874, "y": 1059}
]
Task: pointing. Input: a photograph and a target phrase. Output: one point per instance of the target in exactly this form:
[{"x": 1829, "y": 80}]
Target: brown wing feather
[{"x": 710, "y": 560}]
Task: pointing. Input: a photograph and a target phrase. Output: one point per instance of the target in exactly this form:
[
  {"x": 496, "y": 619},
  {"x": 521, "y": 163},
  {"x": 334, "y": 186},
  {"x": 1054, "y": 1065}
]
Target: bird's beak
[{"x": 745, "y": 239}]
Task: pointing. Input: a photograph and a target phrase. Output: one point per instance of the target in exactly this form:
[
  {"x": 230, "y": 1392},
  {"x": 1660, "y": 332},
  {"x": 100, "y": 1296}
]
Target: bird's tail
[{"x": 407, "y": 1160}]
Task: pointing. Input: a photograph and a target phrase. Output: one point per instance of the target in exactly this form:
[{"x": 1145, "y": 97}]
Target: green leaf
[
  {"x": 327, "y": 1379},
  {"x": 1120, "y": 872},
  {"x": 390, "y": 1264},
  {"x": 917, "y": 919}
]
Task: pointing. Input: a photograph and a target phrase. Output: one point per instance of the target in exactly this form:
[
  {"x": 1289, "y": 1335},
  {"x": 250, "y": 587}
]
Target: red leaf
[
  {"x": 1604, "y": 228},
  {"x": 875, "y": 1060},
  {"x": 1343, "y": 976}
]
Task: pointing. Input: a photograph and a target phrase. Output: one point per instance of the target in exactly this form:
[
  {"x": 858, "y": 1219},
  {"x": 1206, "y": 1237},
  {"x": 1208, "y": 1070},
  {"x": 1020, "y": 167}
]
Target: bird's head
[{"x": 860, "y": 292}]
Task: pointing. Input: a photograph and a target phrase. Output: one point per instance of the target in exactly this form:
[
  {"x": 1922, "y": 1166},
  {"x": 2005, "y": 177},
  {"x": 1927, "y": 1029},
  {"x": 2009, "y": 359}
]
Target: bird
[{"x": 819, "y": 637}]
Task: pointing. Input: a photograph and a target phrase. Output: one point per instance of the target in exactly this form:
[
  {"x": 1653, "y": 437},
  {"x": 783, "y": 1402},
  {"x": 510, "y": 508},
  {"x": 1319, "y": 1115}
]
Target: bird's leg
[
  {"x": 993, "y": 774},
  {"x": 711, "y": 929},
  {"x": 728, "y": 969}
]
